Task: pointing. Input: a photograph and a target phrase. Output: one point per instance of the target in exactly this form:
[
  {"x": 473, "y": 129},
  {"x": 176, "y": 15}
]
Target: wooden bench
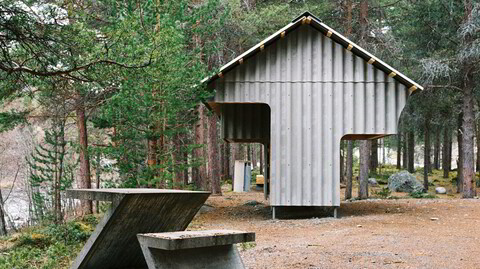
[{"x": 194, "y": 249}]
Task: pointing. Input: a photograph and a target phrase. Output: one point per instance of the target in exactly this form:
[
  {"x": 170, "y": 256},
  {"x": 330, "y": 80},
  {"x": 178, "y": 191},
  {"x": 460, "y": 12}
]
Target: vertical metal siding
[{"x": 317, "y": 92}]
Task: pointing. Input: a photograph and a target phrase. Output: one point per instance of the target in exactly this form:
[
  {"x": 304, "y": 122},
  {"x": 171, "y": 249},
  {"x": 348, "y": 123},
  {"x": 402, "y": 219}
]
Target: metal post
[
  {"x": 335, "y": 213},
  {"x": 273, "y": 212}
]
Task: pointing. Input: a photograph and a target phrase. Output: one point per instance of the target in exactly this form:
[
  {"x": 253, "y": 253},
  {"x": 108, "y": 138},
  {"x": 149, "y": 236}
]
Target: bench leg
[{"x": 216, "y": 257}]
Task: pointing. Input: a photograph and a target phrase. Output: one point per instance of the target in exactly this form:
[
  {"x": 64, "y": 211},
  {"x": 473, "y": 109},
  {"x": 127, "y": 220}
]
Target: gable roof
[{"x": 309, "y": 19}]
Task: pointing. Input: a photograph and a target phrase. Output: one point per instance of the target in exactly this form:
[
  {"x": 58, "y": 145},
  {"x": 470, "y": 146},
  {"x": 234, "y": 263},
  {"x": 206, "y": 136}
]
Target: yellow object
[{"x": 260, "y": 180}]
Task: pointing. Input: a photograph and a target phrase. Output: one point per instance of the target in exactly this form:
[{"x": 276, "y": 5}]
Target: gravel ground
[{"x": 404, "y": 233}]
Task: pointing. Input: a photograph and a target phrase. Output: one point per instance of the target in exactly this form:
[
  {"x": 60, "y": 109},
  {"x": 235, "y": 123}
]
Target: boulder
[
  {"x": 404, "y": 182},
  {"x": 372, "y": 182},
  {"x": 440, "y": 190}
]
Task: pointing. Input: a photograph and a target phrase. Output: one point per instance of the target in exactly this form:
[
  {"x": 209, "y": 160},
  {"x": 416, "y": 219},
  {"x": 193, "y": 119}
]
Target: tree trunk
[
  {"x": 374, "y": 156},
  {"x": 213, "y": 157},
  {"x": 98, "y": 171},
  {"x": 460, "y": 155},
  {"x": 254, "y": 156},
  {"x": 85, "y": 179},
  {"x": 446, "y": 152},
  {"x": 348, "y": 18},
  {"x": 60, "y": 158},
  {"x": 411, "y": 152},
  {"x": 342, "y": 163},
  {"x": 226, "y": 171},
  {"x": 469, "y": 188},
  {"x": 478, "y": 147},
  {"x": 3, "y": 225},
  {"x": 364, "y": 163},
  {"x": 436, "y": 151},
  {"x": 178, "y": 161},
  {"x": 405, "y": 151},
  {"x": 363, "y": 21},
  {"x": 399, "y": 151},
  {"x": 348, "y": 189},
  {"x": 261, "y": 160},
  {"x": 200, "y": 173},
  {"x": 426, "y": 157}
]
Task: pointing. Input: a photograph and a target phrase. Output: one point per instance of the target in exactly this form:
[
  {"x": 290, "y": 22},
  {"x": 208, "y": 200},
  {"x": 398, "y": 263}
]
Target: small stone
[
  {"x": 440, "y": 190},
  {"x": 359, "y": 226},
  {"x": 251, "y": 203},
  {"x": 434, "y": 219},
  {"x": 372, "y": 182}
]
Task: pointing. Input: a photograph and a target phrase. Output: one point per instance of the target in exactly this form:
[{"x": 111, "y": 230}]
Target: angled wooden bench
[
  {"x": 114, "y": 244},
  {"x": 213, "y": 249}
]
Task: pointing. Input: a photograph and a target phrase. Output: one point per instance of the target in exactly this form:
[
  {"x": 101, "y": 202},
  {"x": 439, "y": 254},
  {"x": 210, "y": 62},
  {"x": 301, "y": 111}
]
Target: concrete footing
[{"x": 213, "y": 249}]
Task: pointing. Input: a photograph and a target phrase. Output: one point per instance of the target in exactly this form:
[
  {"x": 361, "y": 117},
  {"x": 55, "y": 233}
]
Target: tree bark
[
  {"x": 348, "y": 18},
  {"x": 478, "y": 147},
  {"x": 3, "y": 225},
  {"x": 399, "y": 151},
  {"x": 405, "y": 151},
  {"x": 436, "y": 151},
  {"x": 364, "y": 163},
  {"x": 365, "y": 147},
  {"x": 460, "y": 155},
  {"x": 178, "y": 161},
  {"x": 411, "y": 152},
  {"x": 426, "y": 157},
  {"x": 348, "y": 189},
  {"x": 342, "y": 163},
  {"x": 85, "y": 178},
  {"x": 469, "y": 188},
  {"x": 446, "y": 152},
  {"x": 261, "y": 160},
  {"x": 374, "y": 156},
  {"x": 363, "y": 21},
  {"x": 200, "y": 173},
  {"x": 213, "y": 157}
]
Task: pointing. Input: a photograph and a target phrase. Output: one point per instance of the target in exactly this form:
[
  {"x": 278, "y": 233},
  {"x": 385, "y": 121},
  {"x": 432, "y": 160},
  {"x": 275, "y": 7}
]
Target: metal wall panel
[{"x": 317, "y": 92}]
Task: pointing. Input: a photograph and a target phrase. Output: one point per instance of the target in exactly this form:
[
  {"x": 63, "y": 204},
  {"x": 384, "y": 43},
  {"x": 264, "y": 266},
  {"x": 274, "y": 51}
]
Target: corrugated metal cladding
[{"x": 317, "y": 92}]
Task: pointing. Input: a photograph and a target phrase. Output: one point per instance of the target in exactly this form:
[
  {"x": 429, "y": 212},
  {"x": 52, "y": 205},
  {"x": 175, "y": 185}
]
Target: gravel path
[{"x": 405, "y": 233}]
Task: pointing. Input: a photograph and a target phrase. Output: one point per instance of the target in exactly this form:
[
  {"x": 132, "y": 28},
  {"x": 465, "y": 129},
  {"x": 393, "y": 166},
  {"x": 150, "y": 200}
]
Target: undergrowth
[{"x": 47, "y": 246}]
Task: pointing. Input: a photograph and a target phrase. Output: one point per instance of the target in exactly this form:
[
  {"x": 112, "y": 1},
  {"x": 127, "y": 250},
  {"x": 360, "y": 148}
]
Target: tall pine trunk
[
  {"x": 411, "y": 152},
  {"x": 200, "y": 172},
  {"x": 342, "y": 163},
  {"x": 85, "y": 178},
  {"x": 447, "y": 140},
  {"x": 460, "y": 154},
  {"x": 469, "y": 189},
  {"x": 436, "y": 151},
  {"x": 478, "y": 147},
  {"x": 3, "y": 225},
  {"x": 426, "y": 157},
  {"x": 348, "y": 189},
  {"x": 213, "y": 157},
  {"x": 399, "y": 151},
  {"x": 374, "y": 156},
  {"x": 405, "y": 152},
  {"x": 364, "y": 163}
]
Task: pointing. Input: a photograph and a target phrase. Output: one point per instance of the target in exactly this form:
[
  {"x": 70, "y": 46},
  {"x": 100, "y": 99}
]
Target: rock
[
  {"x": 251, "y": 203},
  {"x": 433, "y": 219},
  {"x": 404, "y": 182},
  {"x": 372, "y": 182},
  {"x": 440, "y": 190}
]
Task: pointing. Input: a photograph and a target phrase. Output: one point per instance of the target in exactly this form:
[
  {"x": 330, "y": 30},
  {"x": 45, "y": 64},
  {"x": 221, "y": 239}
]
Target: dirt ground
[{"x": 402, "y": 233}]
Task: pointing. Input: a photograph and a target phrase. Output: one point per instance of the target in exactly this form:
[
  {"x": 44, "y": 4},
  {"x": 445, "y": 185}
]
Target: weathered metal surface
[
  {"x": 317, "y": 92},
  {"x": 114, "y": 244}
]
